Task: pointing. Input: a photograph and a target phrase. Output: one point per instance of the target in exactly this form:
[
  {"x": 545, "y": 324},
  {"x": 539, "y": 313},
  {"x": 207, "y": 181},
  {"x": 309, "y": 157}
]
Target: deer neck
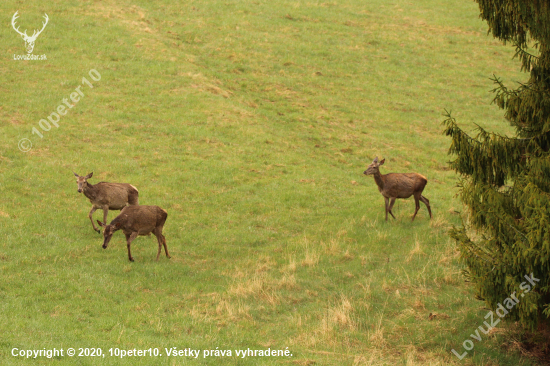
[
  {"x": 89, "y": 191},
  {"x": 379, "y": 179},
  {"x": 118, "y": 219}
]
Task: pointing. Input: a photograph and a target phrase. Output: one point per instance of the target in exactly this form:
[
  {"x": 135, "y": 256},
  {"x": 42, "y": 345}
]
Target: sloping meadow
[{"x": 251, "y": 125}]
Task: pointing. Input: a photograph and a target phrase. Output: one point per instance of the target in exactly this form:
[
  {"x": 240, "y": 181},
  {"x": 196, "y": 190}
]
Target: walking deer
[
  {"x": 398, "y": 185},
  {"x": 134, "y": 221},
  {"x": 106, "y": 196}
]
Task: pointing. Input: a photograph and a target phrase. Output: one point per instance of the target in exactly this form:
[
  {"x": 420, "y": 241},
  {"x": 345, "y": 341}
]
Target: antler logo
[{"x": 29, "y": 41}]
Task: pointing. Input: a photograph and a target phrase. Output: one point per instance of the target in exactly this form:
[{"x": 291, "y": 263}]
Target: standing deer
[
  {"x": 29, "y": 41},
  {"x": 398, "y": 185},
  {"x": 137, "y": 220},
  {"x": 106, "y": 196}
]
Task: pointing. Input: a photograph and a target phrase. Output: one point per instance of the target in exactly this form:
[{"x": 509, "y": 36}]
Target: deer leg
[
  {"x": 92, "y": 219},
  {"x": 105, "y": 212},
  {"x": 165, "y": 247},
  {"x": 162, "y": 242},
  {"x": 159, "y": 239},
  {"x": 386, "y": 200},
  {"x": 427, "y": 203},
  {"x": 129, "y": 238},
  {"x": 416, "y": 198},
  {"x": 391, "y": 206}
]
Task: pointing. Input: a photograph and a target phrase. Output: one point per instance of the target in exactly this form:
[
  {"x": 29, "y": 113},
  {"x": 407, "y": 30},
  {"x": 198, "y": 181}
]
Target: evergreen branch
[
  {"x": 526, "y": 240},
  {"x": 472, "y": 247},
  {"x": 452, "y": 125},
  {"x": 528, "y": 87},
  {"x": 488, "y": 135},
  {"x": 525, "y": 57}
]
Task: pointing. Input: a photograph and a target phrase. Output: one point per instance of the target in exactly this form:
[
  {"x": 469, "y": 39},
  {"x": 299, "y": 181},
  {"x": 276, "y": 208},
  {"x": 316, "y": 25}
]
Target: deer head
[
  {"x": 373, "y": 167},
  {"x": 108, "y": 231},
  {"x": 29, "y": 41},
  {"x": 81, "y": 181}
]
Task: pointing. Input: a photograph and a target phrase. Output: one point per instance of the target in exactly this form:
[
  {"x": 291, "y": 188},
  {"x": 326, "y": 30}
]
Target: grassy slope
[{"x": 251, "y": 124}]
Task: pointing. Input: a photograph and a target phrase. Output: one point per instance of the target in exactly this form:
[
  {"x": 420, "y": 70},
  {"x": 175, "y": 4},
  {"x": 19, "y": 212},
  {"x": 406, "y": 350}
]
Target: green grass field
[{"x": 251, "y": 123}]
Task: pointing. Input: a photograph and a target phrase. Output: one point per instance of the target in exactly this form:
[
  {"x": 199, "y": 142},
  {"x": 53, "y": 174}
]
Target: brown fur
[
  {"x": 399, "y": 185},
  {"x": 106, "y": 196},
  {"x": 137, "y": 220}
]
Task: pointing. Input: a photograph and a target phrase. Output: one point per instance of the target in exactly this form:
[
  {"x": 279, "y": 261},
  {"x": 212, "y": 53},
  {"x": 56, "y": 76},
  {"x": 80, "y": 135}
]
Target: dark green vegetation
[
  {"x": 251, "y": 124},
  {"x": 506, "y": 184}
]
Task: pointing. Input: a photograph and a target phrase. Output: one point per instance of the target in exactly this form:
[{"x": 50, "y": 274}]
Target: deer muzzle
[{"x": 106, "y": 241}]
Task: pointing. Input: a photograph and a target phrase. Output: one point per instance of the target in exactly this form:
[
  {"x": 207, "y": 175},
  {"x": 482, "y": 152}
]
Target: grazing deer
[
  {"x": 398, "y": 185},
  {"x": 137, "y": 220},
  {"x": 106, "y": 196}
]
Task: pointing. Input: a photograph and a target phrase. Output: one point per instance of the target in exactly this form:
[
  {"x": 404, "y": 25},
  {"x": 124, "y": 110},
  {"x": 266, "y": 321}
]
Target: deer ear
[
  {"x": 382, "y": 161},
  {"x": 375, "y": 160},
  {"x": 100, "y": 223},
  {"x": 89, "y": 175},
  {"x": 76, "y": 175},
  {"x": 118, "y": 225}
]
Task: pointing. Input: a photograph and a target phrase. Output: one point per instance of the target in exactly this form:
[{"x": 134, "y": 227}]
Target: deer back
[
  {"x": 141, "y": 219},
  {"x": 116, "y": 195},
  {"x": 402, "y": 185}
]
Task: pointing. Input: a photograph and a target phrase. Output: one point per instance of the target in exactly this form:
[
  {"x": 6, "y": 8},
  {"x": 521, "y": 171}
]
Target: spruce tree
[{"x": 505, "y": 182}]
